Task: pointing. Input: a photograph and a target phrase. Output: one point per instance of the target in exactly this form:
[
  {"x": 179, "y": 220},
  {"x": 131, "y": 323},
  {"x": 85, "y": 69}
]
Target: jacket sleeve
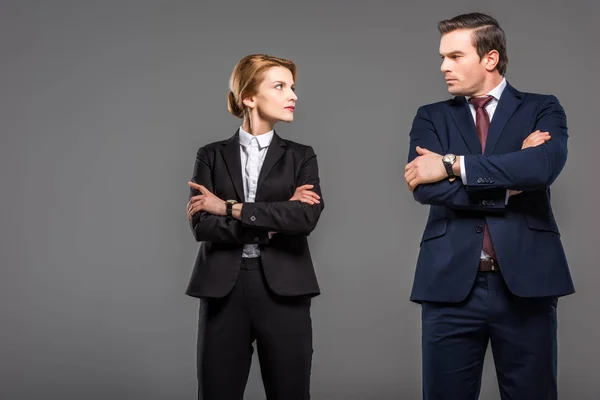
[
  {"x": 213, "y": 228},
  {"x": 289, "y": 217},
  {"x": 445, "y": 193},
  {"x": 534, "y": 168}
]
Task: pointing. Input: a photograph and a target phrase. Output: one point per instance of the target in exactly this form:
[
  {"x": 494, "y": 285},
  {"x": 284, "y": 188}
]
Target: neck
[
  {"x": 490, "y": 83},
  {"x": 255, "y": 125}
]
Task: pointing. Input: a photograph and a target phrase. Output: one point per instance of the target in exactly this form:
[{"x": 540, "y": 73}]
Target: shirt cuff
[
  {"x": 463, "y": 171},
  {"x": 507, "y": 197}
]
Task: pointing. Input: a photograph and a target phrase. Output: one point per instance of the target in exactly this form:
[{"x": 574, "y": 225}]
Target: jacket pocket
[
  {"x": 542, "y": 223},
  {"x": 435, "y": 228}
]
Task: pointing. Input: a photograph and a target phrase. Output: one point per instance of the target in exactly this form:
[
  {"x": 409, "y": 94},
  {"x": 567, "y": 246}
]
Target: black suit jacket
[{"x": 286, "y": 259}]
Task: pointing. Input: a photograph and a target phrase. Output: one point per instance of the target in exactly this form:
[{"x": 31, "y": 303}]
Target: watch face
[{"x": 449, "y": 158}]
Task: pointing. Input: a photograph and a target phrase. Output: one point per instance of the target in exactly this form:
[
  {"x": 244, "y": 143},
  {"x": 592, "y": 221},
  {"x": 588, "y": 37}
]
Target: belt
[{"x": 487, "y": 265}]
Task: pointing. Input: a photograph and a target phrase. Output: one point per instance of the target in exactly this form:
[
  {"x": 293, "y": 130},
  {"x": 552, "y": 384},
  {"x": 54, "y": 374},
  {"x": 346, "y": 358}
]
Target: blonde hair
[{"x": 246, "y": 77}]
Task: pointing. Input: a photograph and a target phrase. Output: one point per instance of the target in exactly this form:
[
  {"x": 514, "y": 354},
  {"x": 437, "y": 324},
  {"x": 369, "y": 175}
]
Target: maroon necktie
[{"x": 482, "y": 122}]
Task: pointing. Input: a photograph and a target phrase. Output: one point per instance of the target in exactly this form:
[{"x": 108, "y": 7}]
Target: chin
[{"x": 455, "y": 91}]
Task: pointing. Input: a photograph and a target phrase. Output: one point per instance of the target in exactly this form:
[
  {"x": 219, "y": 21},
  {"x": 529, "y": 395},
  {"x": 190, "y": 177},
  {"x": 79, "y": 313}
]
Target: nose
[
  {"x": 293, "y": 96},
  {"x": 445, "y": 67}
]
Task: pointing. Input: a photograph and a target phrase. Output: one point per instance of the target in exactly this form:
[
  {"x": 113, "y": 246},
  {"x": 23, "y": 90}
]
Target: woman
[{"x": 255, "y": 199}]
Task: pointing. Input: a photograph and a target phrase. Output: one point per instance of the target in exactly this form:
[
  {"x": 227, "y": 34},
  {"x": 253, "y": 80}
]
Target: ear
[
  {"x": 249, "y": 102},
  {"x": 491, "y": 60}
]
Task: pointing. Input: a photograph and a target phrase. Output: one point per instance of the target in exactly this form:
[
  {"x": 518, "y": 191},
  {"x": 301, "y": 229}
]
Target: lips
[{"x": 290, "y": 108}]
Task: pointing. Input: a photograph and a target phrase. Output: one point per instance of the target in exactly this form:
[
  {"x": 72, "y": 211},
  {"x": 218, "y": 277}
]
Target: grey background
[{"x": 103, "y": 105}]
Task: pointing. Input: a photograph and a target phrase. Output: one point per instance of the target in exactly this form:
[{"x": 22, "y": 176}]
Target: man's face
[{"x": 463, "y": 70}]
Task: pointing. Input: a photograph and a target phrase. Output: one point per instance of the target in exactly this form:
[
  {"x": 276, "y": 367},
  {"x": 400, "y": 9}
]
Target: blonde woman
[{"x": 255, "y": 198}]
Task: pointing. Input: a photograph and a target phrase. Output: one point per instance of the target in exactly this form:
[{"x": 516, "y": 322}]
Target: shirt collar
[
  {"x": 264, "y": 140},
  {"x": 495, "y": 92}
]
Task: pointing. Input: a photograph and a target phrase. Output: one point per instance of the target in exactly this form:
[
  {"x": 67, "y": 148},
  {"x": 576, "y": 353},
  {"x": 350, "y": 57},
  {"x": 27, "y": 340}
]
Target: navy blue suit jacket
[{"x": 524, "y": 232}]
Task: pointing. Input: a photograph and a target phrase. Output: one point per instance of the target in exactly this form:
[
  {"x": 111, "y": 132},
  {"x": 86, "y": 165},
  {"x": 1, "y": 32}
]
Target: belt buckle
[{"x": 490, "y": 264}]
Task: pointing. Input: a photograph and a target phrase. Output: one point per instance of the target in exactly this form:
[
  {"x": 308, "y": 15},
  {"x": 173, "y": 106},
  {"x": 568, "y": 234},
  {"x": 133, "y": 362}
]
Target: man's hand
[
  {"x": 534, "y": 139},
  {"x": 426, "y": 168},
  {"x": 306, "y": 195},
  {"x": 206, "y": 201}
]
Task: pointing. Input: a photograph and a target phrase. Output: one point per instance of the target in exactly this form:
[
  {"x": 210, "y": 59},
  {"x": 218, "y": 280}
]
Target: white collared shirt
[{"x": 253, "y": 150}]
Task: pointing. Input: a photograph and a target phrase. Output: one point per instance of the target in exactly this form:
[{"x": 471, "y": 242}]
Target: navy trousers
[{"x": 522, "y": 332}]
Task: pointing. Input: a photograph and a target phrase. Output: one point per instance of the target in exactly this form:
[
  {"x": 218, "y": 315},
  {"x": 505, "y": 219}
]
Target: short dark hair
[{"x": 487, "y": 34}]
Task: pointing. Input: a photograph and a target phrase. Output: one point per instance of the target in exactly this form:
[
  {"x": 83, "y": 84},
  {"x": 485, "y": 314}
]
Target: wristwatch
[
  {"x": 449, "y": 160},
  {"x": 228, "y": 207}
]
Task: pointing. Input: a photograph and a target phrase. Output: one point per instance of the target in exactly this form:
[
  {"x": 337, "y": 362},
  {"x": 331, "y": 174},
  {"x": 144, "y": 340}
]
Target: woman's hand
[
  {"x": 206, "y": 201},
  {"x": 306, "y": 195}
]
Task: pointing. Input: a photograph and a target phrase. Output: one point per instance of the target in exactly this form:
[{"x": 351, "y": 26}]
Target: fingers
[
  {"x": 537, "y": 134},
  {"x": 305, "y": 187},
  {"x": 535, "y": 139},
  {"x": 198, "y": 187},
  {"x": 422, "y": 151},
  {"x": 305, "y": 192},
  {"x": 535, "y": 143},
  {"x": 194, "y": 205},
  {"x": 413, "y": 183},
  {"x": 307, "y": 198},
  {"x": 410, "y": 175},
  {"x": 311, "y": 194}
]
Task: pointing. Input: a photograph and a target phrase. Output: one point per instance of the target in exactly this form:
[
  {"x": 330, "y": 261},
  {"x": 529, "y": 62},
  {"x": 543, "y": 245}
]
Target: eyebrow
[
  {"x": 282, "y": 82},
  {"x": 452, "y": 53}
]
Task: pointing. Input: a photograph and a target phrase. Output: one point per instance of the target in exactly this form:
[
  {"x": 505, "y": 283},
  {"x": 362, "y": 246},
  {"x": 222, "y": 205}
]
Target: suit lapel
[
  {"x": 274, "y": 153},
  {"x": 461, "y": 113},
  {"x": 231, "y": 155},
  {"x": 508, "y": 104}
]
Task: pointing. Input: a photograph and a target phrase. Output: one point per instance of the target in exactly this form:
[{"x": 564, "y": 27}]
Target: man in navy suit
[{"x": 491, "y": 264}]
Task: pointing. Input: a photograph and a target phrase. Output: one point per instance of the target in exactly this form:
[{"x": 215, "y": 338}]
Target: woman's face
[{"x": 275, "y": 99}]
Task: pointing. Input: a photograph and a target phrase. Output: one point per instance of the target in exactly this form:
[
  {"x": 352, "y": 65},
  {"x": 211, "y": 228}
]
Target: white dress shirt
[{"x": 253, "y": 150}]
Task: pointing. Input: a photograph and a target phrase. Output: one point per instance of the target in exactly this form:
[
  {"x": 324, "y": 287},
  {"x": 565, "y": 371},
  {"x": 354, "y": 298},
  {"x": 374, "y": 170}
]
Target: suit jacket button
[
  {"x": 491, "y": 180},
  {"x": 492, "y": 202},
  {"x": 479, "y": 180},
  {"x": 479, "y": 229},
  {"x": 253, "y": 218},
  {"x": 256, "y": 239}
]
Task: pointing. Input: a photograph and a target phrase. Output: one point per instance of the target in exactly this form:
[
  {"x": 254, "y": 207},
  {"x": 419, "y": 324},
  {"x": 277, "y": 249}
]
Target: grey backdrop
[{"x": 103, "y": 105}]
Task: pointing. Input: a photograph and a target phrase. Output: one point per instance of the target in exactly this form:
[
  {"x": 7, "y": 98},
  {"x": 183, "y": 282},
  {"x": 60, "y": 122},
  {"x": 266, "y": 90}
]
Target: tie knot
[{"x": 479, "y": 102}]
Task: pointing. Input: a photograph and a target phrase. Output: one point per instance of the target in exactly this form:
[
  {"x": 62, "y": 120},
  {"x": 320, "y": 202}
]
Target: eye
[
  {"x": 279, "y": 86},
  {"x": 294, "y": 89}
]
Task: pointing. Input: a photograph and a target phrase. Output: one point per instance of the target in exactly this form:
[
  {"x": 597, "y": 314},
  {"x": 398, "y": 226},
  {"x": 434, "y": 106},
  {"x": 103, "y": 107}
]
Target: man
[{"x": 491, "y": 264}]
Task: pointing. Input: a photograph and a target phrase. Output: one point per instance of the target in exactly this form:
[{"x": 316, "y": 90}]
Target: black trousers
[{"x": 281, "y": 327}]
